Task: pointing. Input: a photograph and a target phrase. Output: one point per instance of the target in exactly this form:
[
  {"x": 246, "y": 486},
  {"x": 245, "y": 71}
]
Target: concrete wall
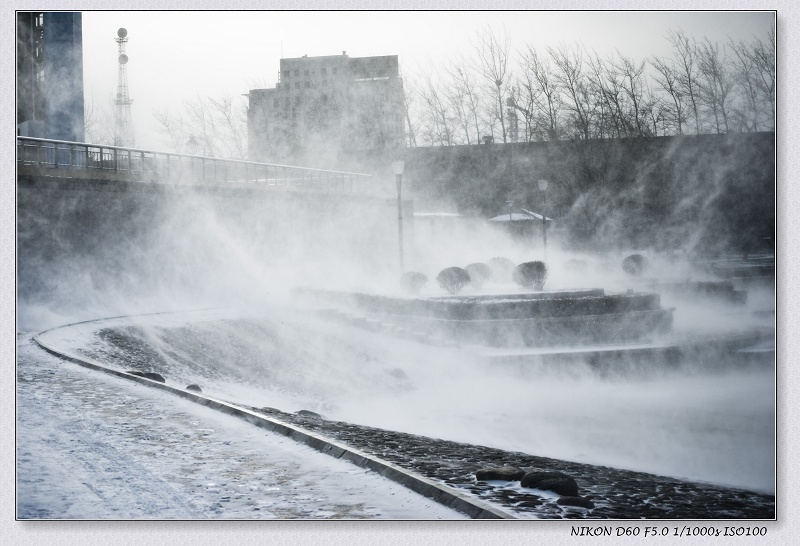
[
  {"x": 704, "y": 194},
  {"x": 110, "y": 244}
]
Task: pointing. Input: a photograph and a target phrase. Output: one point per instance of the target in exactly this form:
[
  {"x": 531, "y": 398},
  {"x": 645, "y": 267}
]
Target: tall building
[
  {"x": 50, "y": 75},
  {"x": 324, "y": 107}
]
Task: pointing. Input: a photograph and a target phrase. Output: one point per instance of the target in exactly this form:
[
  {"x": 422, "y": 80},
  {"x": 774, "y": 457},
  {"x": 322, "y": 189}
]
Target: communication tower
[{"x": 123, "y": 130}]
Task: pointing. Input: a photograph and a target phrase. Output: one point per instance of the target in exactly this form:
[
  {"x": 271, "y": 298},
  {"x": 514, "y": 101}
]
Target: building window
[
  {"x": 297, "y": 85},
  {"x": 324, "y": 83},
  {"x": 288, "y": 102},
  {"x": 308, "y": 84},
  {"x": 275, "y": 103},
  {"x": 287, "y": 73},
  {"x": 324, "y": 71},
  {"x": 333, "y": 70},
  {"x": 296, "y": 72},
  {"x": 305, "y": 72},
  {"x": 324, "y": 97}
]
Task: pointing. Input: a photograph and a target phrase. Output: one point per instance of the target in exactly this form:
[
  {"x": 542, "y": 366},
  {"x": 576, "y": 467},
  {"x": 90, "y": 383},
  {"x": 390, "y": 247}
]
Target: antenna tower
[{"x": 123, "y": 129}]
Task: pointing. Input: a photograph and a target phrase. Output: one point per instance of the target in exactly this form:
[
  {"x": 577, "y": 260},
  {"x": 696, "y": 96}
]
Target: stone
[
  {"x": 506, "y": 473},
  {"x": 575, "y": 501},
  {"x": 309, "y": 414},
  {"x": 193, "y": 387},
  {"x": 551, "y": 481},
  {"x": 149, "y": 375}
]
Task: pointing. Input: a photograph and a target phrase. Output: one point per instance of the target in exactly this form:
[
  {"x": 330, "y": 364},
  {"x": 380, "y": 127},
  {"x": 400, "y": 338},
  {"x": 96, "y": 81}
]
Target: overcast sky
[{"x": 184, "y": 55}]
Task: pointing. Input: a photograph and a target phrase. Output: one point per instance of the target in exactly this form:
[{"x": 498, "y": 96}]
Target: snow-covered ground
[
  {"x": 705, "y": 424},
  {"x": 93, "y": 446}
]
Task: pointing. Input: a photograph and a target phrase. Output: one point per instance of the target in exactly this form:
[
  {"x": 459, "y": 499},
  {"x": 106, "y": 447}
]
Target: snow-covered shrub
[
  {"x": 501, "y": 268},
  {"x": 530, "y": 275},
  {"x": 453, "y": 279},
  {"x": 413, "y": 281},
  {"x": 479, "y": 273},
  {"x": 635, "y": 264}
]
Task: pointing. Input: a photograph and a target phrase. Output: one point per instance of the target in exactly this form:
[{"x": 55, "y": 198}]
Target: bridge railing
[{"x": 174, "y": 168}]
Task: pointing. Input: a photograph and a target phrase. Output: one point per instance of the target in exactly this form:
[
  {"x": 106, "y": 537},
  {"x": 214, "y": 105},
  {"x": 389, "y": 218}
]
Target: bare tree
[
  {"x": 232, "y": 116},
  {"x": 716, "y": 83},
  {"x": 218, "y": 125},
  {"x": 492, "y": 63},
  {"x": 686, "y": 62},
  {"x": 569, "y": 76},
  {"x": 412, "y": 122},
  {"x": 667, "y": 78},
  {"x": 542, "y": 96},
  {"x": 633, "y": 85},
  {"x": 465, "y": 100},
  {"x": 437, "y": 113},
  {"x": 754, "y": 74}
]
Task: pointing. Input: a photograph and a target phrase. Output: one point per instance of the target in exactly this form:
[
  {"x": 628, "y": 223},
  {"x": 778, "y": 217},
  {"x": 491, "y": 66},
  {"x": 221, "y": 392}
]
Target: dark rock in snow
[
  {"x": 309, "y": 414},
  {"x": 575, "y": 501},
  {"x": 193, "y": 387},
  {"x": 507, "y": 473},
  {"x": 397, "y": 373},
  {"x": 551, "y": 481},
  {"x": 149, "y": 375}
]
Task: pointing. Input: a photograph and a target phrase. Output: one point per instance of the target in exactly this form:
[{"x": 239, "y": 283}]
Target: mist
[{"x": 229, "y": 263}]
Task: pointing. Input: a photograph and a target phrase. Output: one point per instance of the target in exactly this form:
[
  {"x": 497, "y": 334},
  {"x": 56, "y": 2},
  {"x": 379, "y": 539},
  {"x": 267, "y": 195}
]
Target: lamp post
[
  {"x": 543, "y": 188},
  {"x": 397, "y": 168}
]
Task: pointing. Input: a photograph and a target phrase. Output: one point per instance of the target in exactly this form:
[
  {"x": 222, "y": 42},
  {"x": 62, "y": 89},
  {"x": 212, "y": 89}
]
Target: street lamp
[
  {"x": 397, "y": 168},
  {"x": 543, "y": 187}
]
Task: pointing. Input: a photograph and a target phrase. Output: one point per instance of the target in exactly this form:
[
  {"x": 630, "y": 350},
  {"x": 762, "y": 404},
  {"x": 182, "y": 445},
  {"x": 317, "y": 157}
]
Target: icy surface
[
  {"x": 93, "y": 446},
  {"x": 705, "y": 424}
]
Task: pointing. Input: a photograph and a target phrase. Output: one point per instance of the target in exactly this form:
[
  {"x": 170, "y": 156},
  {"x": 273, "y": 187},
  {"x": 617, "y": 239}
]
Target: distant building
[
  {"x": 324, "y": 107},
  {"x": 50, "y": 98}
]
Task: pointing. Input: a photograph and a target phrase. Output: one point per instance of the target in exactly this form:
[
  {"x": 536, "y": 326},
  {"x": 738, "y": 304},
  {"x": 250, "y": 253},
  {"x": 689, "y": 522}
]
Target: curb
[{"x": 446, "y": 496}]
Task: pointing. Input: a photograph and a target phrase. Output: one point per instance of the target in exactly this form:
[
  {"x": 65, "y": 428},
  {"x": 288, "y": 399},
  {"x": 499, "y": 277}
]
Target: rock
[
  {"x": 452, "y": 279},
  {"x": 507, "y": 473},
  {"x": 551, "y": 481},
  {"x": 575, "y": 501},
  {"x": 193, "y": 387},
  {"x": 309, "y": 414},
  {"x": 397, "y": 373},
  {"x": 149, "y": 375}
]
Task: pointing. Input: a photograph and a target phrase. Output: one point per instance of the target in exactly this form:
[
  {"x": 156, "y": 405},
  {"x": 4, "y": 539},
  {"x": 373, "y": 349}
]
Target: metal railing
[{"x": 173, "y": 168}]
